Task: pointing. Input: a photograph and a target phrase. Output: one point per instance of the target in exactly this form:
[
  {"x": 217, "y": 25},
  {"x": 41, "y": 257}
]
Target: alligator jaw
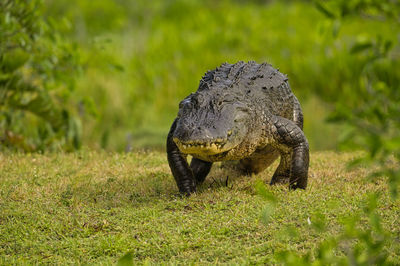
[{"x": 209, "y": 147}]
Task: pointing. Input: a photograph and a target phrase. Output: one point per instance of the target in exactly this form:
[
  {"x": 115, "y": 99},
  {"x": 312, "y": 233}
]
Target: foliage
[
  {"x": 369, "y": 105},
  {"x": 37, "y": 69},
  {"x": 363, "y": 246}
]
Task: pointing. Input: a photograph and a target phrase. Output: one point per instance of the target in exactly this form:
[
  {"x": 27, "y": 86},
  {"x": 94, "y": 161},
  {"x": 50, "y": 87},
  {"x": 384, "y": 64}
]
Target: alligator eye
[{"x": 184, "y": 102}]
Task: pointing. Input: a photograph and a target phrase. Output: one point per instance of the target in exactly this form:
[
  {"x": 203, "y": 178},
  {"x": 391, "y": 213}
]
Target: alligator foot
[
  {"x": 279, "y": 179},
  {"x": 292, "y": 143}
]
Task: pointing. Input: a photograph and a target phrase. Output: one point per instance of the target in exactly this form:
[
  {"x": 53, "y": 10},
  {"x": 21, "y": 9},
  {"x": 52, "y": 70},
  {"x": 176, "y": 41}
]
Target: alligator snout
[
  {"x": 200, "y": 141},
  {"x": 197, "y": 135}
]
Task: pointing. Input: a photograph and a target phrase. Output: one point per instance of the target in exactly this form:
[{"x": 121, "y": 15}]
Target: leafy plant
[
  {"x": 37, "y": 70},
  {"x": 368, "y": 104},
  {"x": 362, "y": 245}
]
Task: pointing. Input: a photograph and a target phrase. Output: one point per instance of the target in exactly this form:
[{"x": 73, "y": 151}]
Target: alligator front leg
[
  {"x": 179, "y": 167},
  {"x": 290, "y": 139},
  {"x": 200, "y": 169}
]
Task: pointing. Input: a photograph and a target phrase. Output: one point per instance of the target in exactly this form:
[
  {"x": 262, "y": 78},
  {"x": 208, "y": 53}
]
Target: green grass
[{"x": 94, "y": 207}]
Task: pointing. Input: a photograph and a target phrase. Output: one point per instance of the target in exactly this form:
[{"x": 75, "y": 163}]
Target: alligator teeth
[{"x": 216, "y": 144}]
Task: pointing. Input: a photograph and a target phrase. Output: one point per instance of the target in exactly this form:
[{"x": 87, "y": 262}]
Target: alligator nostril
[{"x": 198, "y": 128}]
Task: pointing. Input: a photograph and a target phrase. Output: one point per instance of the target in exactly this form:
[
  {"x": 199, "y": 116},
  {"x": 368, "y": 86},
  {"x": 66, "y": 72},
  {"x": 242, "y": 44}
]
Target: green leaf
[
  {"x": 372, "y": 203},
  {"x": 126, "y": 260},
  {"x": 14, "y": 59},
  {"x": 360, "y": 46},
  {"x": 356, "y": 162},
  {"x": 266, "y": 213},
  {"x": 336, "y": 27},
  {"x": 117, "y": 67},
  {"x": 392, "y": 144},
  {"x": 318, "y": 222},
  {"x": 264, "y": 193},
  {"x": 387, "y": 46},
  {"x": 74, "y": 132},
  {"x": 324, "y": 10}
]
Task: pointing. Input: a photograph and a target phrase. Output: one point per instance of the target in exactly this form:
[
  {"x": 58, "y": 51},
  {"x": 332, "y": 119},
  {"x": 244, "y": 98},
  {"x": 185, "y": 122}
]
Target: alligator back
[{"x": 259, "y": 85}]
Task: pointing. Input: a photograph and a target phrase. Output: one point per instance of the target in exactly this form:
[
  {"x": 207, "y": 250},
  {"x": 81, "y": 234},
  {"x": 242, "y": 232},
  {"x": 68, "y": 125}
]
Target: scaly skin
[{"x": 245, "y": 112}]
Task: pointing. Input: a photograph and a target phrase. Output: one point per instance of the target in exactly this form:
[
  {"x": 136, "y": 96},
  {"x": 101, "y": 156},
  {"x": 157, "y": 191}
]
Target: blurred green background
[{"x": 140, "y": 58}]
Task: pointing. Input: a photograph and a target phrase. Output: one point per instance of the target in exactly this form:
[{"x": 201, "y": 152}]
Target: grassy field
[{"x": 94, "y": 207}]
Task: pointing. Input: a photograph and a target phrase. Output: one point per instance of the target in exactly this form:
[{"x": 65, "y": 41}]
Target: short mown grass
[{"x": 93, "y": 207}]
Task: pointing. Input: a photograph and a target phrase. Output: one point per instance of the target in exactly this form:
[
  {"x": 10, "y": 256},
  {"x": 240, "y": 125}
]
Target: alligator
[{"x": 242, "y": 112}]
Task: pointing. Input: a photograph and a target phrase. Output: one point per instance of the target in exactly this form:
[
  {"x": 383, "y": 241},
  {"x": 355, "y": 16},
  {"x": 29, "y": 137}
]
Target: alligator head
[{"x": 211, "y": 122}]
